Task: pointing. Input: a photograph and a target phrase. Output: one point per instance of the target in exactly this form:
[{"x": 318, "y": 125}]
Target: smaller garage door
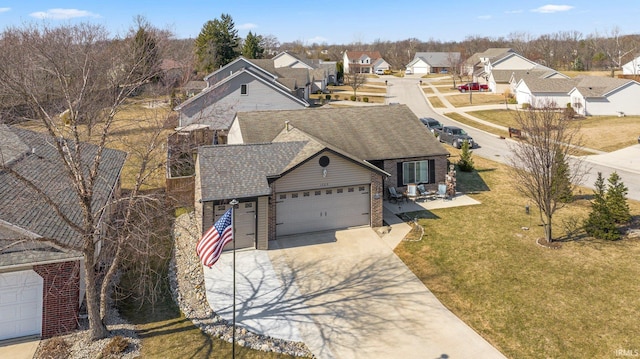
[
  {"x": 20, "y": 304},
  {"x": 245, "y": 224}
]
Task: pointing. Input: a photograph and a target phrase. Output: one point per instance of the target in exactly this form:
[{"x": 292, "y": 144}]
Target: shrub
[
  {"x": 116, "y": 346},
  {"x": 600, "y": 223},
  {"x": 353, "y": 97},
  {"x": 526, "y": 106},
  {"x": 365, "y": 99},
  {"x": 327, "y": 97},
  {"x": 466, "y": 162},
  {"x": 337, "y": 97},
  {"x": 512, "y": 101},
  {"x": 55, "y": 348}
]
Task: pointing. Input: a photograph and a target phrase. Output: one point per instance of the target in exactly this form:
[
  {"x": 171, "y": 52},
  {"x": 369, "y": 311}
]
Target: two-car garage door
[
  {"x": 322, "y": 209},
  {"x": 20, "y": 304}
]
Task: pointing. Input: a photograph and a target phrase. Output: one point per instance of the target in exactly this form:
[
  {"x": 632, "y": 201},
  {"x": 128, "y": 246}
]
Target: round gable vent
[{"x": 324, "y": 161}]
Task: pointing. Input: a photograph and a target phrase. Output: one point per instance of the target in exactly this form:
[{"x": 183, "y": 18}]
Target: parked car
[
  {"x": 432, "y": 124},
  {"x": 455, "y": 136},
  {"x": 379, "y": 72},
  {"x": 408, "y": 72},
  {"x": 474, "y": 86}
]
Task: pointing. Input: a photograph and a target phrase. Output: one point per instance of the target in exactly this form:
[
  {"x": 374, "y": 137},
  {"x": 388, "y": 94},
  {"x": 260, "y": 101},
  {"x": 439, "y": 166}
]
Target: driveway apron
[{"x": 361, "y": 301}]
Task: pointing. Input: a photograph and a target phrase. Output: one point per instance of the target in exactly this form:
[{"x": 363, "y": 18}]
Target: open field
[
  {"x": 604, "y": 133},
  {"x": 530, "y": 302},
  {"x": 591, "y": 73},
  {"x": 477, "y": 99}
]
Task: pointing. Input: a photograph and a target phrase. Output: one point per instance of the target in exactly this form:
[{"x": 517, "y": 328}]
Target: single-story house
[
  {"x": 433, "y": 62},
  {"x": 311, "y": 170},
  {"x": 538, "y": 91},
  {"x": 506, "y": 80},
  {"x": 41, "y": 266},
  {"x": 605, "y": 96}
]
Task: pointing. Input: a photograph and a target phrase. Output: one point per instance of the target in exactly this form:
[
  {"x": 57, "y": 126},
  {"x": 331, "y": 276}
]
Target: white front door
[{"x": 322, "y": 209}]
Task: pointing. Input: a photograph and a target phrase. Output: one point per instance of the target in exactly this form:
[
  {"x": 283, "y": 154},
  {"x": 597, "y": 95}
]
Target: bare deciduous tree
[
  {"x": 548, "y": 153},
  {"x": 74, "y": 80},
  {"x": 355, "y": 79}
]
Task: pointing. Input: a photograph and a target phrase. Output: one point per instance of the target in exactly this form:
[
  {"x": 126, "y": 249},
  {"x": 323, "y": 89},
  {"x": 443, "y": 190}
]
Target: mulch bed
[{"x": 544, "y": 243}]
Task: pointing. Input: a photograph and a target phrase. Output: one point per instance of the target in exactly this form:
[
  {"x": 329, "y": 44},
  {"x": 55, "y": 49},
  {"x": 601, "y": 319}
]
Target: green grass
[{"x": 530, "y": 302}]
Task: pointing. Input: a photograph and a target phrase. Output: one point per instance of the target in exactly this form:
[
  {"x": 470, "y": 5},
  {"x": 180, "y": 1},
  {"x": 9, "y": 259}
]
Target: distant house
[
  {"x": 537, "y": 91},
  {"x": 606, "y": 96},
  {"x": 632, "y": 67},
  {"x": 41, "y": 281},
  {"x": 366, "y": 62},
  {"x": 433, "y": 62},
  {"x": 310, "y": 170},
  {"x": 474, "y": 66},
  {"x": 506, "y": 80}
]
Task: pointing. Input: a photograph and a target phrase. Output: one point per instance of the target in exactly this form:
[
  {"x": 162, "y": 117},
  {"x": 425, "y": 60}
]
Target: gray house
[{"x": 311, "y": 170}]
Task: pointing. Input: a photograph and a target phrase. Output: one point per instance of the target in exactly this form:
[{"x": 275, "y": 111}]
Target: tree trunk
[
  {"x": 97, "y": 328},
  {"x": 104, "y": 288},
  {"x": 547, "y": 230}
]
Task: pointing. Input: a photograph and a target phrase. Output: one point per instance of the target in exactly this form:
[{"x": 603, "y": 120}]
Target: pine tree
[
  {"x": 560, "y": 183},
  {"x": 217, "y": 43},
  {"x": 251, "y": 48},
  {"x": 466, "y": 162},
  {"x": 616, "y": 199},
  {"x": 600, "y": 223}
]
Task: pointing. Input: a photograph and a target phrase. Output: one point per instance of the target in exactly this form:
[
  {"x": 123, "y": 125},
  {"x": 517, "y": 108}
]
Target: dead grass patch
[
  {"x": 436, "y": 102},
  {"x": 477, "y": 99}
]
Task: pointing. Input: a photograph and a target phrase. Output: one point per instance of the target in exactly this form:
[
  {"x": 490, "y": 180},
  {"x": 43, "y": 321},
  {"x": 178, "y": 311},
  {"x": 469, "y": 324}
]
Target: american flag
[{"x": 210, "y": 245}]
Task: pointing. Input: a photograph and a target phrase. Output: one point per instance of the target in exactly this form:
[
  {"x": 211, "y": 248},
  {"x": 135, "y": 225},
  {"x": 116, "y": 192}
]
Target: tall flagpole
[{"x": 233, "y": 203}]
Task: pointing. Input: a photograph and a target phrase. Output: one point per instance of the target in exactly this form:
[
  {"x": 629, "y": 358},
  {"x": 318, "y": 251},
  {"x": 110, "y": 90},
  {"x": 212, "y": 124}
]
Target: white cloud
[
  {"x": 247, "y": 26},
  {"x": 484, "y": 17},
  {"x": 62, "y": 14},
  {"x": 513, "y": 12},
  {"x": 4, "y": 9},
  {"x": 316, "y": 40},
  {"x": 548, "y": 9}
]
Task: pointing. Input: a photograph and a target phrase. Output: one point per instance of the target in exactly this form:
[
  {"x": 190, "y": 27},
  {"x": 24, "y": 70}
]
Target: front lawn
[
  {"x": 477, "y": 99},
  {"x": 580, "y": 301}
]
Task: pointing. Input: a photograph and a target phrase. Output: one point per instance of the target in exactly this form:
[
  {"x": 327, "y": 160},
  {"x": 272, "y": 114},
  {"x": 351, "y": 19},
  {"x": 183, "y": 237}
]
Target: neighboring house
[
  {"x": 544, "y": 91},
  {"x": 245, "y": 85},
  {"x": 363, "y": 62},
  {"x": 41, "y": 282},
  {"x": 433, "y": 62},
  {"x": 606, "y": 96},
  {"x": 506, "y": 80},
  {"x": 322, "y": 72},
  {"x": 311, "y": 170},
  {"x": 475, "y": 65},
  {"x": 632, "y": 67}
]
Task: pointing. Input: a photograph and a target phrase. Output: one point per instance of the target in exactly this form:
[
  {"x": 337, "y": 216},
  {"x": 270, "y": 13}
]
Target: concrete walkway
[{"x": 19, "y": 349}]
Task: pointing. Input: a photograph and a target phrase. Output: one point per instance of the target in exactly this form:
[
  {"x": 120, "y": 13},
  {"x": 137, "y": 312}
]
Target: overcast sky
[{"x": 341, "y": 22}]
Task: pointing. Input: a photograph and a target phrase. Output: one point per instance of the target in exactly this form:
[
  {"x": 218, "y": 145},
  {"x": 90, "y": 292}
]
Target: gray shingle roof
[
  {"x": 438, "y": 59},
  {"x": 369, "y": 133},
  {"x": 240, "y": 171},
  {"x": 23, "y": 208},
  {"x": 550, "y": 85},
  {"x": 599, "y": 86}
]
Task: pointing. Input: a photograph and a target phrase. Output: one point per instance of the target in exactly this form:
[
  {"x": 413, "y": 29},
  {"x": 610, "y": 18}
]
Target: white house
[
  {"x": 433, "y": 62},
  {"x": 632, "y": 67},
  {"x": 606, "y": 96},
  {"x": 363, "y": 62},
  {"x": 543, "y": 91}
]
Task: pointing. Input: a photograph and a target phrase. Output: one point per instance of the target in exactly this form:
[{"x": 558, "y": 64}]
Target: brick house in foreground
[{"x": 312, "y": 170}]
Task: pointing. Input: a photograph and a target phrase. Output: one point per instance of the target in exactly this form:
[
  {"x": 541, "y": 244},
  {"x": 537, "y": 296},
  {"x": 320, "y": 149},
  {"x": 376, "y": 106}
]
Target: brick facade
[{"x": 61, "y": 291}]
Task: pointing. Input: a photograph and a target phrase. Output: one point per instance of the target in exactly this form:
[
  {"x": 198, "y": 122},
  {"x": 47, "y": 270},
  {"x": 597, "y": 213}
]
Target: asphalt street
[{"x": 625, "y": 162}]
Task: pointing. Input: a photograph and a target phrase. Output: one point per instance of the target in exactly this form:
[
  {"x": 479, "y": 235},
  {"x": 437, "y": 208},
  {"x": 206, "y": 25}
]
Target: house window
[
  {"x": 294, "y": 195},
  {"x": 415, "y": 172},
  {"x": 244, "y": 89}
]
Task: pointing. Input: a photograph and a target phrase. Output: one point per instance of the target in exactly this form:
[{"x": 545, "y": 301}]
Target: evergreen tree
[
  {"x": 217, "y": 44},
  {"x": 616, "y": 199},
  {"x": 146, "y": 57},
  {"x": 560, "y": 183},
  {"x": 600, "y": 223},
  {"x": 466, "y": 162},
  {"x": 251, "y": 48}
]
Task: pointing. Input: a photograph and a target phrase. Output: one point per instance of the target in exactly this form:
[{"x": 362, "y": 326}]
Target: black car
[
  {"x": 432, "y": 124},
  {"x": 455, "y": 136}
]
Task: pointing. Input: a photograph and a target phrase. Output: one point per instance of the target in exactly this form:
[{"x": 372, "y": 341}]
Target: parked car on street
[
  {"x": 473, "y": 86},
  {"x": 432, "y": 124},
  {"x": 455, "y": 136},
  {"x": 379, "y": 72}
]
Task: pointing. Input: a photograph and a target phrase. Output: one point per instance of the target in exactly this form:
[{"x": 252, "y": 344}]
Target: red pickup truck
[{"x": 474, "y": 86}]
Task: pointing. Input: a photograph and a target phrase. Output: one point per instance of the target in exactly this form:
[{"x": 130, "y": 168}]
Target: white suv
[{"x": 379, "y": 72}]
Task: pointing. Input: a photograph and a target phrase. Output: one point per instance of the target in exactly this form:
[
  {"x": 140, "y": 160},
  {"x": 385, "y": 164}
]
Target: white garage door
[
  {"x": 20, "y": 304},
  {"x": 245, "y": 224},
  {"x": 322, "y": 209}
]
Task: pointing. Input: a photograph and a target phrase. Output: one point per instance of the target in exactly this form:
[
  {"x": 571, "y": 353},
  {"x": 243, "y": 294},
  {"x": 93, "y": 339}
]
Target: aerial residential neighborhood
[{"x": 212, "y": 191}]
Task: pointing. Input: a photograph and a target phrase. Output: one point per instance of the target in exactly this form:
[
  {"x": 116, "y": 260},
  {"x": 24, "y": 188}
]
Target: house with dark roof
[
  {"x": 311, "y": 170},
  {"x": 364, "y": 62},
  {"x": 433, "y": 62},
  {"x": 41, "y": 286}
]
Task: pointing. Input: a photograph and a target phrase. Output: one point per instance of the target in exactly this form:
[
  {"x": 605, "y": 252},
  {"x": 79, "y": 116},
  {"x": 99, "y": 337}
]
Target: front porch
[{"x": 411, "y": 205}]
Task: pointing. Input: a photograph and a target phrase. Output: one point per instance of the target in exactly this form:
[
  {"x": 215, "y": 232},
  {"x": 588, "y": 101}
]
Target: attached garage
[
  {"x": 20, "y": 304},
  {"x": 322, "y": 209},
  {"x": 244, "y": 221}
]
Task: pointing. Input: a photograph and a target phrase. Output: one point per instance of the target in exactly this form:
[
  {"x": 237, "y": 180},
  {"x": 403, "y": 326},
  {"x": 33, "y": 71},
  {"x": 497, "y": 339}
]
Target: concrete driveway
[{"x": 364, "y": 302}]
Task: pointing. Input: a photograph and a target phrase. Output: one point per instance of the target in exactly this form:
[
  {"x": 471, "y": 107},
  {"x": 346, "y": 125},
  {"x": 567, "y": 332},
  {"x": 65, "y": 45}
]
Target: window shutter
[
  {"x": 432, "y": 171},
  {"x": 400, "y": 173}
]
